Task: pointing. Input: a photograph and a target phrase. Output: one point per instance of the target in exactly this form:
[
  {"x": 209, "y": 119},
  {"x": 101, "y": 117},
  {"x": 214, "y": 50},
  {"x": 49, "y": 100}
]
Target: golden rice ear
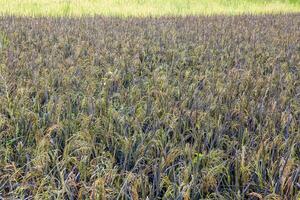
[
  {"x": 135, "y": 188},
  {"x": 208, "y": 183},
  {"x": 257, "y": 195},
  {"x": 98, "y": 189},
  {"x": 171, "y": 157},
  {"x": 42, "y": 159},
  {"x": 273, "y": 197}
]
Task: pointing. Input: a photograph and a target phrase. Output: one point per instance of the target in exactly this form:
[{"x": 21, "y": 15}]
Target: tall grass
[{"x": 144, "y": 7}]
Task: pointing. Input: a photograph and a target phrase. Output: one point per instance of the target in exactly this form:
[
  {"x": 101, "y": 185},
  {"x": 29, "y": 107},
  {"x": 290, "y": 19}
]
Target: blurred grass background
[{"x": 144, "y": 7}]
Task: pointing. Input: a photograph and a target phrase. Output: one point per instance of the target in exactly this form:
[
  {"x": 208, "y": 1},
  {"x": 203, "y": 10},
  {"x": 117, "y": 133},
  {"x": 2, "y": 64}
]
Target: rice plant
[{"x": 150, "y": 108}]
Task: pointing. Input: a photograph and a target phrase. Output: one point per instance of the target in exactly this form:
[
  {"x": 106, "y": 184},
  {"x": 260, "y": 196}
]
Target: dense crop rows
[{"x": 167, "y": 108}]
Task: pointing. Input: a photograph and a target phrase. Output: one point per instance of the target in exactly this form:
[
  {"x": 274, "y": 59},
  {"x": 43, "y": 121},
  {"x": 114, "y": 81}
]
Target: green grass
[{"x": 144, "y": 7}]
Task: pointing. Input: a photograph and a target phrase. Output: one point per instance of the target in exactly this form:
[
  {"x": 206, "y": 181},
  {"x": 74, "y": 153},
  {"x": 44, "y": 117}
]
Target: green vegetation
[
  {"x": 164, "y": 108},
  {"x": 144, "y": 7}
]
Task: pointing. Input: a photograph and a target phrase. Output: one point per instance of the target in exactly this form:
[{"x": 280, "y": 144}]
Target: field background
[{"x": 144, "y": 7}]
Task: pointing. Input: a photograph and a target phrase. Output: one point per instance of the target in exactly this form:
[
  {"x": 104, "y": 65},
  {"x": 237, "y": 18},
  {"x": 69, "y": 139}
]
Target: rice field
[
  {"x": 150, "y": 108},
  {"x": 144, "y": 8}
]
